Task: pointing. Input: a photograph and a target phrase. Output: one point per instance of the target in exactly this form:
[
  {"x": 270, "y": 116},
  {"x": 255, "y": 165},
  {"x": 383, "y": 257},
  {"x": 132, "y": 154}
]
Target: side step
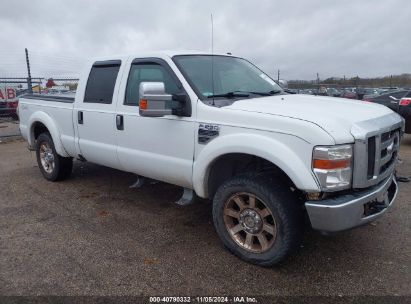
[
  {"x": 188, "y": 197},
  {"x": 139, "y": 182}
]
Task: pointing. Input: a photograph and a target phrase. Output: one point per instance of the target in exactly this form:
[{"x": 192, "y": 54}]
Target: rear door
[{"x": 96, "y": 114}]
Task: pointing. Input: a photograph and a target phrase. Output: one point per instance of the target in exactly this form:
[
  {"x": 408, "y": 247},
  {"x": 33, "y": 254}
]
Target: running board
[{"x": 188, "y": 197}]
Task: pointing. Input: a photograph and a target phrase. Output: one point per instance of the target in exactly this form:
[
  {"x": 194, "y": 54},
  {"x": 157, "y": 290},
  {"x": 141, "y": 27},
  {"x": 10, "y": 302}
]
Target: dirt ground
[
  {"x": 93, "y": 235},
  {"x": 9, "y": 128}
]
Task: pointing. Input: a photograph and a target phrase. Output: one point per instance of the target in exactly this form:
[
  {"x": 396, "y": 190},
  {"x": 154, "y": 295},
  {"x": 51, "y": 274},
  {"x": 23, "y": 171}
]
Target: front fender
[
  {"x": 48, "y": 122},
  {"x": 265, "y": 147}
]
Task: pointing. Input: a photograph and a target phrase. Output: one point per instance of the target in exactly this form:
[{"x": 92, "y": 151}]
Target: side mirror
[{"x": 154, "y": 102}]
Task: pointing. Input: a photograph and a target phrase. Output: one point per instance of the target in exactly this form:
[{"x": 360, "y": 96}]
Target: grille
[
  {"x": 389, "y": 147},
  {"x": 371, "y": 157},
  {"x": 381, "y": 151}
]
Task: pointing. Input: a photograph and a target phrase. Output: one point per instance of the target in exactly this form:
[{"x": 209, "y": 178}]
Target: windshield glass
[{"x": 233, "y": 77}]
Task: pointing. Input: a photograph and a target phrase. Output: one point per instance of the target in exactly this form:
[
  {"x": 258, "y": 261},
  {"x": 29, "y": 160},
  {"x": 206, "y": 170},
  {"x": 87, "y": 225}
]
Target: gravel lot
[
  {"x": 9, "y": 128},
  {"x": 93, "y": 235}
]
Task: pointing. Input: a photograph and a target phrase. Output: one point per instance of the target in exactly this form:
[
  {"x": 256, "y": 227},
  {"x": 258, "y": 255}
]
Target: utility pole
[
  {"x": 29, "y": 86},
  {"x": 318, "y": 83},
  {"x": 278, "y": 76},
  {"x": 391, "y": 81}
]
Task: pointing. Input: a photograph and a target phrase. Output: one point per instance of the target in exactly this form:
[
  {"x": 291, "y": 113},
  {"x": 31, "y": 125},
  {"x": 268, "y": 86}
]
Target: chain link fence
[{"x": 13, "y": 88}]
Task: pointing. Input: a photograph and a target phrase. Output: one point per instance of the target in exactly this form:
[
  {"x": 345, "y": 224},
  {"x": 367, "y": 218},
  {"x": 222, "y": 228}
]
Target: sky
[{"x": 368, "y": 38}]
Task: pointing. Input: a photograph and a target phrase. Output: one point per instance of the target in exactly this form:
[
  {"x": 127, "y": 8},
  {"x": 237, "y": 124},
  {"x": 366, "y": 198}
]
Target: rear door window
[{"x": 101, "y": 82}]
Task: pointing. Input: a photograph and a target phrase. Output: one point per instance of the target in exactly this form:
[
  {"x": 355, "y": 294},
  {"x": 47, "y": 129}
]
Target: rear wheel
[
  {"x": 258, "y": 219},
  {"x": 53, "y": 166}
]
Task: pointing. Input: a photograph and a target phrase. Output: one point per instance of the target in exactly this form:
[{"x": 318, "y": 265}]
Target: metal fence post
[{"x": 29, "y": 86}]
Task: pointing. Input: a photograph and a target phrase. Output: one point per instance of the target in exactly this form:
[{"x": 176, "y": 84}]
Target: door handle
[
  {"x": 80, "y": 117},
  {"x": 120, "y": 122}
]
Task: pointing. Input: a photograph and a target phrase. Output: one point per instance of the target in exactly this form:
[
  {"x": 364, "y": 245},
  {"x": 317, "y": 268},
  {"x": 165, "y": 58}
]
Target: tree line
[{"x": 403, "y": 80}]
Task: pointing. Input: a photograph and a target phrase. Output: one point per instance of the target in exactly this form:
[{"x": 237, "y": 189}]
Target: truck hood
[{"x": 336, "y": 116}]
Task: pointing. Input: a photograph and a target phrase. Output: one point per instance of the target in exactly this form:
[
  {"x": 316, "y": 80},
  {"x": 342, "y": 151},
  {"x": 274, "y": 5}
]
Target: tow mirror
[{"x": 154, "y": 102}]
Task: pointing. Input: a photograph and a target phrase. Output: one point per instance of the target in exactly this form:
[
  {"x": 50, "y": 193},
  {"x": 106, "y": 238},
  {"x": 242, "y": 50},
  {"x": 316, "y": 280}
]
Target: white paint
[{"x": 282, "y": 129}]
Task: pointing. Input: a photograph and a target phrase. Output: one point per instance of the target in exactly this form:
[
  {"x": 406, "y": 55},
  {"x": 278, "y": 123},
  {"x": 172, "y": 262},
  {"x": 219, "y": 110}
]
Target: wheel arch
[
  {"x": 227, "y": 152},
  {"x": 40, "y": 122}
]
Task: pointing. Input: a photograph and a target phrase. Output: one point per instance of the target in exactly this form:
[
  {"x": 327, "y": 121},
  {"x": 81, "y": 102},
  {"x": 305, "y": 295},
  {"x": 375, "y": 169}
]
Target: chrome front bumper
[{"x": 352, "y": 210}]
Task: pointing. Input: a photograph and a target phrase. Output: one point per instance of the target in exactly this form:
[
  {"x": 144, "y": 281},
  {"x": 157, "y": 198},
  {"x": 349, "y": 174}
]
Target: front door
[{"x": 161, "y": 148}]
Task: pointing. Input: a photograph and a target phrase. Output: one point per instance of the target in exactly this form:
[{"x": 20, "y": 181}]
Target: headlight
[{"x": 333, "y": 166}]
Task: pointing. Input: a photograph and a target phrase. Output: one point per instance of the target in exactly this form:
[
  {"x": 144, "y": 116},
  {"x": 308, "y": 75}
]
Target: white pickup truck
[{"x": 222, "y": 129}]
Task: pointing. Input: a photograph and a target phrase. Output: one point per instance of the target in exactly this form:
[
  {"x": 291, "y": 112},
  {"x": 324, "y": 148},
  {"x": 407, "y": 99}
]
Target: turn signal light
[
  {"x": 329, "y": 164},
  {"x": 143, "y": 104}
]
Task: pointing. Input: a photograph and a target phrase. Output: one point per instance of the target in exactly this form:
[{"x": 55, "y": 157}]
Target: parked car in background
[
  {"x": 399, "y": 101},
  {"x": 390, "y": 99},
  {"x": 306, "y": 91},
  {"x": 386, "y": 89},
  {"x": 361, "y": 92},
  {"x": 404, "y": 110},
  {"x": 347, "y": 93},
  {"x": 333, "y": 92}
]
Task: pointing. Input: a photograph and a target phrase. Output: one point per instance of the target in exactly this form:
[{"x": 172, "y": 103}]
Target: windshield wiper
[
  {"x": 229, "y": 95},
  {"x": 269, "y": 93},
  {"x": 273, "y": 92}
]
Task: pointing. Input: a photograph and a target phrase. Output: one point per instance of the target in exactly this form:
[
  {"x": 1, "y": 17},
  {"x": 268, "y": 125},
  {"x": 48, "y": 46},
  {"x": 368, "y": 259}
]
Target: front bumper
[{"x": 352, "y": 210}]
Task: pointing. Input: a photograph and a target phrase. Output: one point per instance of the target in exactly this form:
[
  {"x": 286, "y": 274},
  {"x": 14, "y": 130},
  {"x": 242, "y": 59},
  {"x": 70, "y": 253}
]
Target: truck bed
[{"x": 49, "y": 108}]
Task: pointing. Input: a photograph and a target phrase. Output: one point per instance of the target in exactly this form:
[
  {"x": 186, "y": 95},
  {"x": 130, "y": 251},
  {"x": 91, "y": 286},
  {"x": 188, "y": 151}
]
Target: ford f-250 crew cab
[{"x": 222, "y": 129}]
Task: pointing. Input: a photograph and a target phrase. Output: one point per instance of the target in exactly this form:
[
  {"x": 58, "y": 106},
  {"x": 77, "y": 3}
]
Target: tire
[
  {"x": 286, "y": 217},
  {"x": 58, "y": 168}
]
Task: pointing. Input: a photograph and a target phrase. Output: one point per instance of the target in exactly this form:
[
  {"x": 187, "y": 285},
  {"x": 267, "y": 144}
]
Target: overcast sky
[{"x": 301, "y": 38}]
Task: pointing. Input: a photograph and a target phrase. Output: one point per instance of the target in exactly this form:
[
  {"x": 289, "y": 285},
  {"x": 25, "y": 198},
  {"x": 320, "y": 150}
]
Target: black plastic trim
[
  {"x": 107, "y": 63},
  {"x": 80, "y": 117}
]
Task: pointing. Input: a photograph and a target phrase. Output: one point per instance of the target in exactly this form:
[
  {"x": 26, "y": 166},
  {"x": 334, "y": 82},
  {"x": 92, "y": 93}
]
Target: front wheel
[
  {"x": 258, "y": 219},
  {"x": 53, "y": 166}
]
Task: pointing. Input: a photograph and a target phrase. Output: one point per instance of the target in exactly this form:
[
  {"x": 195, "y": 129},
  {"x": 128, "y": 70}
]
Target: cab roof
[{"x": 160, "y": 54}]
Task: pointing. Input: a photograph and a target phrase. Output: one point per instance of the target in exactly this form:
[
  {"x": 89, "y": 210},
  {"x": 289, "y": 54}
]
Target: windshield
[{"x": 234, "y": 78}]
